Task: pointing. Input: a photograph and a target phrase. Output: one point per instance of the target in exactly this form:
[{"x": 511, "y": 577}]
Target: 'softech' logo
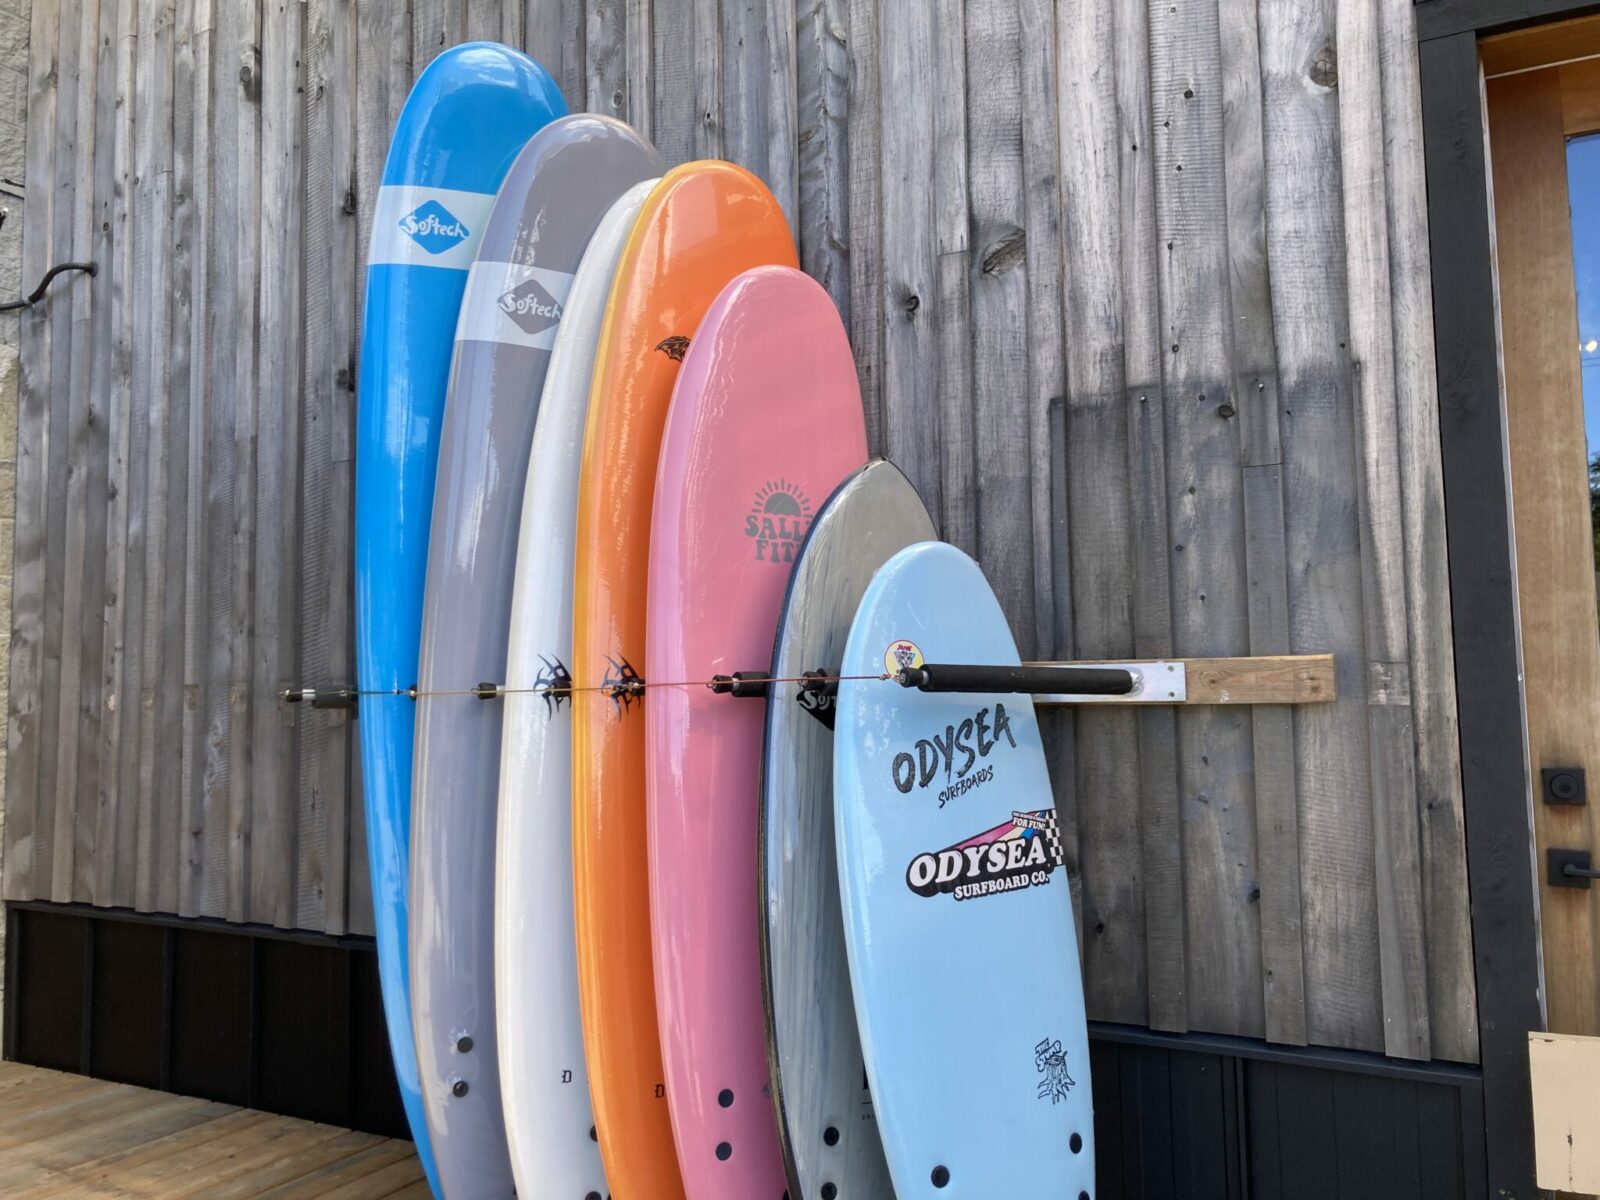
[
  {"x": 434, "y": 227},
  {"x": 531, "y": 307},
  {"x": 1022, "y": 853},
  {"x": 777, "y": 522}
]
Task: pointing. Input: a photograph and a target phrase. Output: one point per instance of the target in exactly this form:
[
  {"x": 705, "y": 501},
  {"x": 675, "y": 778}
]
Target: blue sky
[{"x": 1583, "y": 188}]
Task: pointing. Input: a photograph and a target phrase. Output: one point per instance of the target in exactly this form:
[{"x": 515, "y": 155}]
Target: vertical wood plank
[
  {"x": 953, "y": 423},
  {"x": 783, "y": 108},
  {"x": 1256, "y": 397},
  {"x": 221, "y": 786},
  {"x": 1096, "y": 434},
  {"x": 1046, "y": 353},
  {"x": 171, "y": 711},
  {"x": 1452, "y": 994},
  {"x": 1046, "y": 388},
  {"x": 65, "y": 842},
  {"x": 1145, "y": 401},
  {"x": 27, "y": 829},
  {"x": 166, "y": 425},
  {"x": 758, "y": 93},
  {"x": 1205, "y": 506},
  {"x": 483, "y": 20},
  {"x": 245, "y": 28},
  {"x": 823, "y": 157},
  {"x": 639, "y": 68},
  {"x": 607, "y": 83},
  {"x": 864, "y": 250},
  {"x": 111, "y": 249},
  {"x": 116, "y": 828},
  {"x": 277, "y": 814},
  {"x": 1396, "y": 841},
  {"x": 192, "y": 228},
  {"x": 998, "y": 329},
  {"x": 513, "y": 31},
  {"x": 322, "y": 652},
  {"x": 78, "y": 719},
  {"x": 822, "y": 73},
  {"x": 1304, "y": 224},
  {"x": 686, "y": 74},
  {"x": 909, "y": 292},
  {"x": 146, "y": 441},
  {"x": 435, "y": 25},
  {"x": 553, "y": 34}
]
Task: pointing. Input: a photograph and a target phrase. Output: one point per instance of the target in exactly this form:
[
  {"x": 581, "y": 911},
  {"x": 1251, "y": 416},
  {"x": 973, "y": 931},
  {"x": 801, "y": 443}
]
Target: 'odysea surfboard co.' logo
[
  {"x": 777, "y": 522},
  {"x": 974, "y": 739},
  {"x": 1022, "y": 853},
  {"x": 434, "y": 227},
  {"x": 531, "y": 307}
]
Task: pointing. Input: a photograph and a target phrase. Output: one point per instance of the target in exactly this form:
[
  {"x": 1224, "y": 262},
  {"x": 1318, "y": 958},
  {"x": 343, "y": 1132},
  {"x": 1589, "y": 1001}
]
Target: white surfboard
[{"x": 544, "y": 1086}]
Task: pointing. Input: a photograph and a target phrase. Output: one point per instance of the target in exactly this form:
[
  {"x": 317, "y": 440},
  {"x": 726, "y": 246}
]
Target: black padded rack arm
[{"x": 1069, "y": 681}]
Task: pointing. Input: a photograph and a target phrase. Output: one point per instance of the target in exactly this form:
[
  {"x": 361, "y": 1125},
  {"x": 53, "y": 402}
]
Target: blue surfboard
[
  {"x": 469, "y": 114},
  {"x": 958, "y": 921}
]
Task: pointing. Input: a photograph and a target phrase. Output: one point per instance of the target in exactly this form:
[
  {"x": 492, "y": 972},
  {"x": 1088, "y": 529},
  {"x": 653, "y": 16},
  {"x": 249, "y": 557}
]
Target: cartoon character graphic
[{"x": 1050, "y": 1060}]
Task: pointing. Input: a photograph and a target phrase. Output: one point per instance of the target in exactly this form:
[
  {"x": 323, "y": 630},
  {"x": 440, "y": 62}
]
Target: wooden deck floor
[{"x": 68, "y": 1136}]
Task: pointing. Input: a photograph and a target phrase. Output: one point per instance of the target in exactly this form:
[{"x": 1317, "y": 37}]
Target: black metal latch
[
  {"x": 1570, "y": 868},
  {"x": 1563, "y": 785},
  {"x": 328, "y": 697}
]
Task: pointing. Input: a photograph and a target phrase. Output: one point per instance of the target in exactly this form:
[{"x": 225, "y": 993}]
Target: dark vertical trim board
[{"x": 1483, "y": 591}]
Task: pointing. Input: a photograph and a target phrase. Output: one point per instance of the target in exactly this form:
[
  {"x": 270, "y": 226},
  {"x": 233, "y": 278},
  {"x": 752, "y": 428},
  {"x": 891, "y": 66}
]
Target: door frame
[{"x": 1501, "y": 845}]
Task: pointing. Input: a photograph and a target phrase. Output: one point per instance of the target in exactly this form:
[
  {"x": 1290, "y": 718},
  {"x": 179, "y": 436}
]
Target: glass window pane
[{"x": 1583, "y": 192}]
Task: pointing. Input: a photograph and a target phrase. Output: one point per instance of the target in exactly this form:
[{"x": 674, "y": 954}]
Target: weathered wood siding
[{"x": 1139, "y": 294}]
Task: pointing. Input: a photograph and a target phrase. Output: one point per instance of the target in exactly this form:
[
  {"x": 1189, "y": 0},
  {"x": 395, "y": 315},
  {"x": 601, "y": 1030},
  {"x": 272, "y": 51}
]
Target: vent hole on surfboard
[
  {"x": 829, "y": 1191},
  {"x": 593, "y": 1136},
  {"x": 830, "y": 1136},
  {"x": 725, "y": 1098},
  {"x": 724, "y": 1152},
  {"x": 1076, "y": 1143},
  {"x": 941, "y": 1176}
]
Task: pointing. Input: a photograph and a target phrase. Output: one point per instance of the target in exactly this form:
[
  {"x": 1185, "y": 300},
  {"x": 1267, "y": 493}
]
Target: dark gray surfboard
[
  {"x": 825, "y": 1117},
  {"x": 557, "y": 191}
]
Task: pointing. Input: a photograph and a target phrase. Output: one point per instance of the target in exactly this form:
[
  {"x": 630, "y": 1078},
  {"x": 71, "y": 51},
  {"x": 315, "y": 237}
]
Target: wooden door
[{"x": 1544, "y": 146}]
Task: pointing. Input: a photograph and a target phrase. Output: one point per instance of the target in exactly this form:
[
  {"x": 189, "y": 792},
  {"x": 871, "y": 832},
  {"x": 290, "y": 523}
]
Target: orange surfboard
[{"x": 704, "y": 223}]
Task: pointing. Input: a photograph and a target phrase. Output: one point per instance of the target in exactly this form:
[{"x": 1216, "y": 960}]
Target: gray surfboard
[
  {"x": 555, "y": 194},
  {"x": 825, "y": 1118}
]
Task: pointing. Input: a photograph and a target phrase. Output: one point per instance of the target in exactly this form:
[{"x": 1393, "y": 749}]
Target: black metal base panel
[
  {"x": 289, "y": 1025},
  {"x": 293, "y": 1024}
]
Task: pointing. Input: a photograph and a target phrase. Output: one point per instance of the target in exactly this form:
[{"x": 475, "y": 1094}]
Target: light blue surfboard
[
  {"x": 467, "y": 117},
  {"x": 958, "y": 921}
]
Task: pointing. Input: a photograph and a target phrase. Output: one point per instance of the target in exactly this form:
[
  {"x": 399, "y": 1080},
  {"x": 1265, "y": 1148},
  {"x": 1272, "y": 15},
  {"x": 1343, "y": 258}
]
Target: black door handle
[{"x": 1570, "y": 868}]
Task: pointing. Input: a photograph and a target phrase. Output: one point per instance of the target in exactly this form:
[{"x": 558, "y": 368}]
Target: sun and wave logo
[
  {"x": 434, "y": 227},
  {"x": 778, "y": 519}
]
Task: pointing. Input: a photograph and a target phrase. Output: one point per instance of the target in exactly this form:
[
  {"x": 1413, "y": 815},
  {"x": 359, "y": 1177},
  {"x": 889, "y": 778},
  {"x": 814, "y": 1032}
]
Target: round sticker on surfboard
[{"x": 902, "y": 656}]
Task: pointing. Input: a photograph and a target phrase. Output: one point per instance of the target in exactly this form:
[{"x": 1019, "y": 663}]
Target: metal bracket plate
[{"x": 1159, "y": 682}]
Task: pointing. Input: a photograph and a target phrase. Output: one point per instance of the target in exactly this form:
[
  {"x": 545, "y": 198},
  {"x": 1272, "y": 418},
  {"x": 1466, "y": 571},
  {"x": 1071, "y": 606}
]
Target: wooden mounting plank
[{"x": 1267, "y": 679}]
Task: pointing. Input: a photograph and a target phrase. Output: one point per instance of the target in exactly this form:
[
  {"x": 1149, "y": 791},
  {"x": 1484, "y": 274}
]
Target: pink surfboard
[{"x": 765, "y": 422}]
